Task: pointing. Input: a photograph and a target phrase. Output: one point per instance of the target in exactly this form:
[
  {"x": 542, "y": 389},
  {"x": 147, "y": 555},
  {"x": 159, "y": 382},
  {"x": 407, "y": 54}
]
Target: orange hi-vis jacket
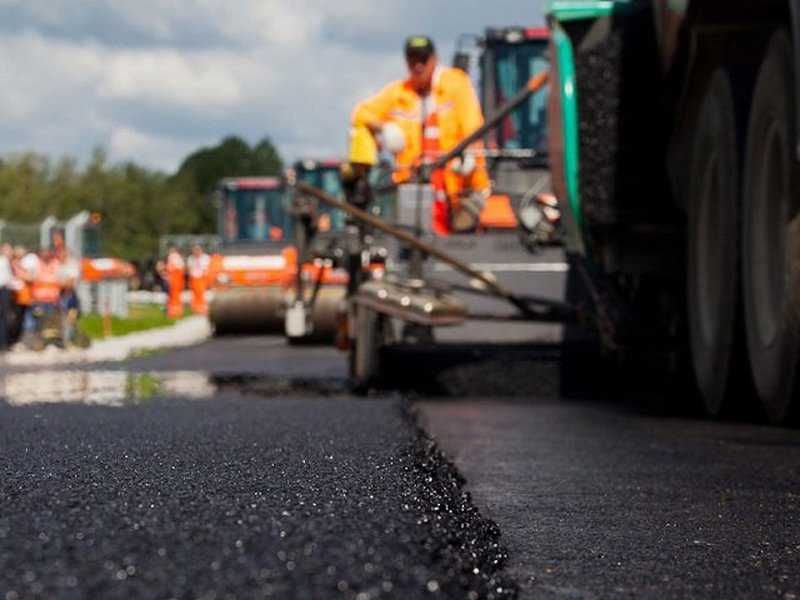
[
  {"x": 431, "y": 149},
  {"x": 46, "y": 288},
  {"x": 23, "y": 287},
  {"x": 198, "y": 268},
  {"x": 176, "y": 269},
  {"x": 458, "y": 114}
]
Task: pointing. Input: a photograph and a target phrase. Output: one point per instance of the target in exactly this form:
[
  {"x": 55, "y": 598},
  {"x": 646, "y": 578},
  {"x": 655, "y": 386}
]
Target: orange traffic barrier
[{"x": 498, "y": 214}]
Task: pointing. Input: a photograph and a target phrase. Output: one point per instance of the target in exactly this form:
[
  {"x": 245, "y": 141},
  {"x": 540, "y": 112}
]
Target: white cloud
[
  {"x": 185, "y": 79},
  {"x": 153, "y": 151},
  {"x": 37, "y": 75}
]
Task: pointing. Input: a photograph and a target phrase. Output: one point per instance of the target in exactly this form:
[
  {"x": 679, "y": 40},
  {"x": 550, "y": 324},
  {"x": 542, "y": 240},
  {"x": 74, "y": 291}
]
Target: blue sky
[{"x": 151, "y": 80}]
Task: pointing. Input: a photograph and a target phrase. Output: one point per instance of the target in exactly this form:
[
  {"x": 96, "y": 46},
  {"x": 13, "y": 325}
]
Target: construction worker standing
[
  {"x": 176, "y": 273},
  {"x": 25, "y": 266},
  {"x": 423, "y": 117},
  {"x": 45, "y": 294},
  {"x": 198, "y": 264},
  {"x": 46, "y": 287}
]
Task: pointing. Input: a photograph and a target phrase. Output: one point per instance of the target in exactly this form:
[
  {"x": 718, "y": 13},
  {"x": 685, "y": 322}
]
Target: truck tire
[
  {"x": 713, "y": 245},
  {"x": 771, "y": 234}
]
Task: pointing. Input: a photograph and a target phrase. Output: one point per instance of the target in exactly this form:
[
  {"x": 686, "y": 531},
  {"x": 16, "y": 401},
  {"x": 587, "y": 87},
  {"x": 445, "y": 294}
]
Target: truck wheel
[
  {"x": 713, "y": 241},
  {"x": 771, "y": 235},
  {"x": 371, "y": 334}
]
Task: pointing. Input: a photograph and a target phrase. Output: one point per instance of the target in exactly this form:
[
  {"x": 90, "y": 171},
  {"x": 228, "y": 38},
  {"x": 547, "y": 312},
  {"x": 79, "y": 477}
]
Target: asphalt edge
[{"x": 466, "y": 541}]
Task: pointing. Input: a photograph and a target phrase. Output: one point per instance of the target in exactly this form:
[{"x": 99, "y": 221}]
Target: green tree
[
  {"x": 138, "y": 205},
  {"x": 232, "y": 157}
]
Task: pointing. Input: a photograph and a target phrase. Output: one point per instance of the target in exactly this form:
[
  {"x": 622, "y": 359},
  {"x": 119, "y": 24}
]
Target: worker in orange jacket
[
  {"x": 46, "y": 287},
  {"x": 176, "y": 274},
  {"x": 198, "y": 265},
  {"x": 420, "y": 119}
]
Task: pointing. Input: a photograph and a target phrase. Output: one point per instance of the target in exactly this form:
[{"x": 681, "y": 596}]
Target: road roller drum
[
  {"x": 248, "y": 310},
  {"x": 324, "y": 311}
]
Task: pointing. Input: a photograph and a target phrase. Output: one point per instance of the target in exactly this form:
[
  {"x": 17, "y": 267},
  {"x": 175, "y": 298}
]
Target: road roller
[
  {"x": 250, "y": 274},
  {"x": 257, "y": 276}
]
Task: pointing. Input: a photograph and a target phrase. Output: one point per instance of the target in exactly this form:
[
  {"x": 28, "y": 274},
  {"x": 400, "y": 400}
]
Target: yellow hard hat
[{"x": 363, "y": 149}]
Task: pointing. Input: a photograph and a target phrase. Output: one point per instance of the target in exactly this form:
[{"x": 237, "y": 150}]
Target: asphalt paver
[{"x": 234, "y": 496}]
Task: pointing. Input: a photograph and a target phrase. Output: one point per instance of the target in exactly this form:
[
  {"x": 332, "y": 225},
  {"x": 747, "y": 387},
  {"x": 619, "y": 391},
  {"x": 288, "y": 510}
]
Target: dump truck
[{"x": 673, "y": 134}]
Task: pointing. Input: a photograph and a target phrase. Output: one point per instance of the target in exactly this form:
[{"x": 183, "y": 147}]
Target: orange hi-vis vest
[
  {"x": 431, "y": 150},
  {"x": 458, "y": 114},
  {"x": 22, "y": 287},
  {"x": 198, "y": 267},
  {"x": 46, "y": 288},
  {"x": 175, "y": 264}
]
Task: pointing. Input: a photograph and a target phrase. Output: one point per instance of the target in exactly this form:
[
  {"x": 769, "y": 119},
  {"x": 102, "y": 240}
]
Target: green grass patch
[
  {"x": 141, "y": 317},
  {"x": 146, "y": 352}
]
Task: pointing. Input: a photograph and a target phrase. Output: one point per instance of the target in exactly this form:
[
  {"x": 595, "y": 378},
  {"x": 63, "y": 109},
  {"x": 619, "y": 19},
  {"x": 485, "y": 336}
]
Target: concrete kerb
[{"x": 186, "y": 332}]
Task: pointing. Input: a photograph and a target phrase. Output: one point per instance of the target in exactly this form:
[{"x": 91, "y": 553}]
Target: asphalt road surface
[
  {"x": 240, "y": 494},
  {"x": 242, "y": 467}
]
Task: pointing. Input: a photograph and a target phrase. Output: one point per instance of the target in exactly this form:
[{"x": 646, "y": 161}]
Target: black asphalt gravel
[{"x": 234, "y": 497}]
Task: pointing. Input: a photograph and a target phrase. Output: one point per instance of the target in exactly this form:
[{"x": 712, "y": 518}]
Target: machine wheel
[
  {"x": 713, "y": 242},
  {"x": 326, "y": 312},
  {"x": 771, "y": 236},
  {"x": 371, "y": 334}
]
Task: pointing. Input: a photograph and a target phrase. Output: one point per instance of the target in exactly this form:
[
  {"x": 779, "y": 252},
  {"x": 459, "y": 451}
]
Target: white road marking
[{"x": 555, "y": 267}]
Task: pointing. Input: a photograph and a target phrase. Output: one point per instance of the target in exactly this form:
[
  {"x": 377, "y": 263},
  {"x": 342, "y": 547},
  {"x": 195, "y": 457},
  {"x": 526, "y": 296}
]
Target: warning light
[
  {"x": 275, "y": 234},
  {"x": 324, "y": 222}
]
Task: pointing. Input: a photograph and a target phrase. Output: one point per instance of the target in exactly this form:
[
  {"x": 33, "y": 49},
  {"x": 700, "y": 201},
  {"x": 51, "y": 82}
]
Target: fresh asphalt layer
[{"x": 235, "y": 496}]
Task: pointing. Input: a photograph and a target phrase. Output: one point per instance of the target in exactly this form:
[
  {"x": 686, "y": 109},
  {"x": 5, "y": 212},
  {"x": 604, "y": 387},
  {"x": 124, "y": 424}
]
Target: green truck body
[{"x": 671, "y": 121}]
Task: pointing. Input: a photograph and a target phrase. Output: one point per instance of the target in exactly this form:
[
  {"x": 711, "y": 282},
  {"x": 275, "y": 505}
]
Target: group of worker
[
  {"x": 418, "y": 120},
  {"x": 175, "y": 271},
  {"x": 37, "y": 283}
]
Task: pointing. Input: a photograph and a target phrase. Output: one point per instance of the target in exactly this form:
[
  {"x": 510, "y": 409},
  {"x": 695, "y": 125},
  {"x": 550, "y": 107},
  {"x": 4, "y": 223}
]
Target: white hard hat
[{"x": 393, "y": 138}]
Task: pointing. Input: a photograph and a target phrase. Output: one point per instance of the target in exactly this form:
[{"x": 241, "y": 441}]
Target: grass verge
[{"x": 141, "y": 317}]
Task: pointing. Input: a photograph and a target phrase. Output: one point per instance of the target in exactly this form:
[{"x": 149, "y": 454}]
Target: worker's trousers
[{"x": 5, "y": 316}]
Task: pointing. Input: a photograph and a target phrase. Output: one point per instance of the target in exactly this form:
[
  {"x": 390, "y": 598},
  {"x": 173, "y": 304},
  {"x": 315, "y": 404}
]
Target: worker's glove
[
  {"x": 467, "y": 215},
  {"x": 464, "y": 166},
  {"x": 393, "y": 138}
]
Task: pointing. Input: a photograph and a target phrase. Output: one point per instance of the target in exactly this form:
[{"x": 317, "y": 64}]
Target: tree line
[{"x": 138, "y": 205}]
